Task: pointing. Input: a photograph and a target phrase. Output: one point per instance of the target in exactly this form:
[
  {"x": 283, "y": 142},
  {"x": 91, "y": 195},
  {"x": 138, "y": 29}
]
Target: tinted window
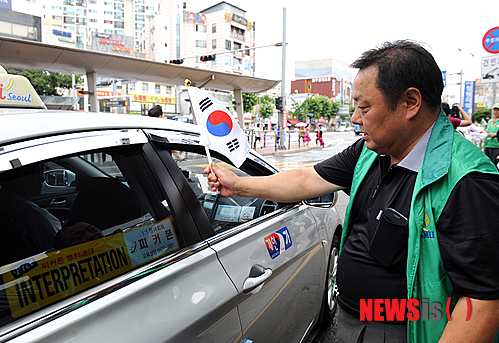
[{"x": 72, "y": 223}]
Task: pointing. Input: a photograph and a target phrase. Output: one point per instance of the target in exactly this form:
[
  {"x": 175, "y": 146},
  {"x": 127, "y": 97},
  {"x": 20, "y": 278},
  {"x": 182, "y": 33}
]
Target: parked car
[
  {"x": 144, "y": 251},
  {"x": 356, "y": 129}
]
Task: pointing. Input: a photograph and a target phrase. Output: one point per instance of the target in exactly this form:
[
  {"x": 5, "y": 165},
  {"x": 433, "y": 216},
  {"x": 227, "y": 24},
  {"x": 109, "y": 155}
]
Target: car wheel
[{"x": 329, "y": 303}]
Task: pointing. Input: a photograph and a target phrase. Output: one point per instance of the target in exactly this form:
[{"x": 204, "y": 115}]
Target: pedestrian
[
  {"x": 413, "y": 231},
  {"x": 319, "y": 137},
  {"x": 157, "y": 112},
  {"x": 491, "y": 141},
  {"x": 258, "y": 133},
  {"x": 301, "y": 134},
  {"x": 306, "y": 136},
  {"x": 455, "y": 113}
]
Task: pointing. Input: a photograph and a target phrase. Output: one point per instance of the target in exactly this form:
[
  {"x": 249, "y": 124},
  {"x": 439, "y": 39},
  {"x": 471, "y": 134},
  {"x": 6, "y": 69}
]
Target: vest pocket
[{"x": 388, "y": 245}]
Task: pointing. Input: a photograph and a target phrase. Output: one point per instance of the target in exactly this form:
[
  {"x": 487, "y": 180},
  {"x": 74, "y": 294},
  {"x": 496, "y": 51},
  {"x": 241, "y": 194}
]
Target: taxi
[{"x": 110, "y": 234}]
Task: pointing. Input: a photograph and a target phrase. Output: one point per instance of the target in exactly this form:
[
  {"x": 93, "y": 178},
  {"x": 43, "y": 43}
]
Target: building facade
[{"x": 177, "y": 33}]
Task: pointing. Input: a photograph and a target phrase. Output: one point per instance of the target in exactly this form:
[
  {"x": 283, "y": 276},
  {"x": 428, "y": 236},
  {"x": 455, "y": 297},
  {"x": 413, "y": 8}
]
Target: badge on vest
[{"x": 426, "y": 232}]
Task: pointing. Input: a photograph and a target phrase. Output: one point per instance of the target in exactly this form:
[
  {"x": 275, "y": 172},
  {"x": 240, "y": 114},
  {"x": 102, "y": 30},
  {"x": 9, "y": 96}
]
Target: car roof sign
[{"x": 17, "y": 91}]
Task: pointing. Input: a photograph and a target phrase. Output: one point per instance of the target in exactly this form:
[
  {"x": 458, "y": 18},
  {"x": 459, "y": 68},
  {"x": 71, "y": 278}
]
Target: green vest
[
  {"x": 449, "y": 156},
  {"x": 492, "y": 142}
]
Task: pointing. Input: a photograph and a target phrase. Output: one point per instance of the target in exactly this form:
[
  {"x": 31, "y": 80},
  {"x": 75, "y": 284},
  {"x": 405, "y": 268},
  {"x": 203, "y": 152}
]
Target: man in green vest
[{"x": 419, "y": 247}]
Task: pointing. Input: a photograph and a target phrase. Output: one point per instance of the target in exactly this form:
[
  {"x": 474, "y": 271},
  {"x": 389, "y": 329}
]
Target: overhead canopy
[{"x": 23, "y": 54}]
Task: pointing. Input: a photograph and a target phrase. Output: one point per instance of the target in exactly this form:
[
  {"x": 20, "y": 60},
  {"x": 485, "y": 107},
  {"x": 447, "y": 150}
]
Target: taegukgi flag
[{"x": 221, "y": 131}]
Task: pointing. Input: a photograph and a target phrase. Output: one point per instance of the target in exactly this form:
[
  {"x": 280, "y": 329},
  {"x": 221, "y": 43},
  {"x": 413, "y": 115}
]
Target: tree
[
  {"x": 482, "y": 114},
  {"x": 267, "y": 107},
  {"x": 249, "y": 100},
  {"x": 47, "y": 83}
]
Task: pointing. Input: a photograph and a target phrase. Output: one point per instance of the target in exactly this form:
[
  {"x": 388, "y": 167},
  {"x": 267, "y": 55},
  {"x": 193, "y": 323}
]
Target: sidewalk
[{"x": 293, "y": 147}]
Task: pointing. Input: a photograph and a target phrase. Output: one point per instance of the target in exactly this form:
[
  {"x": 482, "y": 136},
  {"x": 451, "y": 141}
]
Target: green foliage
[
  {"x": 319, "y": 106},
  {"x": 267, "y": 106},
  {"x": 46, "y": 83},
  {"x": 482, "y": 114},
  {"x": 352, "y": 109},
  {"x": 249, "y": 100}
]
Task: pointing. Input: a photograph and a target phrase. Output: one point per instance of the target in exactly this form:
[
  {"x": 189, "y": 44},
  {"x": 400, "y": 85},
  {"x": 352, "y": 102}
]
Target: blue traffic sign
[{"x": 490, "y": 41}]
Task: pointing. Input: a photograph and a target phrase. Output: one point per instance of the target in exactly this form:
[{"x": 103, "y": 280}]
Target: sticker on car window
[
  {"x": 150, "y": 241},
  {"x": 278, "y": 242},
  {"x": 43, "y": 279}
]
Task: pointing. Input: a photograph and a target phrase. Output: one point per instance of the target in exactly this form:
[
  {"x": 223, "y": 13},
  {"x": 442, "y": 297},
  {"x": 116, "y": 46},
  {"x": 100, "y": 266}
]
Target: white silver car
[{"x": 109, "y": 235}]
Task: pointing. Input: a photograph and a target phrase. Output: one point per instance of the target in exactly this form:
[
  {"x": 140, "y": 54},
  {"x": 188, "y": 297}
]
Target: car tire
[{"x": 329, "y": 303}]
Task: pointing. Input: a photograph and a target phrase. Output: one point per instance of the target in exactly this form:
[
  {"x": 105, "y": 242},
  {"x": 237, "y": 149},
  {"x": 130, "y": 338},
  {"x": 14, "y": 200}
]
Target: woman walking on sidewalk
[{"x": 306, "y": 138}]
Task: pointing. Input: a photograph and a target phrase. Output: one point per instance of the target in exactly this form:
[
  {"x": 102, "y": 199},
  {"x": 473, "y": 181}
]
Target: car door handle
[
  {"x": 58, "y": 202},
  {"x": 254, "y": 281}
]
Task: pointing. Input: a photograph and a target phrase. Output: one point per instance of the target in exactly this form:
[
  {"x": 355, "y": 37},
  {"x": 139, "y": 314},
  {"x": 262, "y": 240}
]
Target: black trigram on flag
[
  {"x": 233, "y": 145},
  {"x": 205, "y": 103}
]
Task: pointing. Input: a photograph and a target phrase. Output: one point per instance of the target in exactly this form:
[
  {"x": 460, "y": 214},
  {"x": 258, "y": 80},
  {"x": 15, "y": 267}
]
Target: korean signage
[
  {"x": 469, "y": 93},
  {"x": 490, "y": 41},
  {"x": 490, "y": 69},
  {"x": 115, "y": 44},
  {"x": 61, "y": 33},
  {"x": 43, "y": 279},
  {"x": 166, "y": 100}
]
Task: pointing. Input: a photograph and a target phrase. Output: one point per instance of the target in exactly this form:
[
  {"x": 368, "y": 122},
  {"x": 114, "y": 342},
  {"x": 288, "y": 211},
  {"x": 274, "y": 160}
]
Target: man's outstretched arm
[{"x": 287, "y": 186}]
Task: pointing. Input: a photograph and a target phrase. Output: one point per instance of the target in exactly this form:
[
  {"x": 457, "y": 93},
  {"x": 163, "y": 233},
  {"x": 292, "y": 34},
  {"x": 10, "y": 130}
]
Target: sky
[{"x": 318, "y": 29}]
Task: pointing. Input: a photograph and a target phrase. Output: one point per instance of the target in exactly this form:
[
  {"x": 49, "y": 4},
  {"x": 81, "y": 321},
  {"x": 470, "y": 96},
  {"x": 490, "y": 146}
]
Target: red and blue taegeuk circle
[{"x": 219, "y": 124}]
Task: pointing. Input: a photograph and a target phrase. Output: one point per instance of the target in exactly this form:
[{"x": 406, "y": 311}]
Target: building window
[
  {"x": 214, "y": 28},
  {"x": 119, "y": 32},
  {"x": 139, "y": 26},
  {"x": 69, "y": 20},
  {"x": 227, "y": 44},
  {"x": 140, "y": 17},
  {"x": 56, "y": 7},
  {"x": 145, "y": 86},
  {"x": 168, "y": 89},
  {"x": 118, "y": 15},
  {"x": 200, "y": 43},
  {"x": 200, "y": 28},
  {"x": 57, "y": 17},
  {"x": 108, "y": 21},
  {"x": 157, "y": 88},
  {"x": 108, "y": 31},
  {"x": 139, "y": 8},
  {"x": 213, "y": 43},
  {"x": 119, "y": 7},
  {"x": 150, "y": 8},
  {"x": 92, "y": 11},
  {"x": 131, "y": 86},
  {"x": 108, "y": 12},
  {"x": 119, "y": 25},
  {"x": 92, "y": 20},
  {"x": 93, "y": 2}
]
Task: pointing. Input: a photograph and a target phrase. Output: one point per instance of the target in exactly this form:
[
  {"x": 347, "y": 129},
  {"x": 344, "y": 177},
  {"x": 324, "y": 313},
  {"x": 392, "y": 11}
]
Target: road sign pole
[{"x": 283, "y": 83}]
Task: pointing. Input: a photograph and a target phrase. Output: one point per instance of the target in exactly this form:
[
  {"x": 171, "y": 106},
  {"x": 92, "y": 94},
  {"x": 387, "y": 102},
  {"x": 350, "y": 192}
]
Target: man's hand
[{"x": 223, "y": 180}]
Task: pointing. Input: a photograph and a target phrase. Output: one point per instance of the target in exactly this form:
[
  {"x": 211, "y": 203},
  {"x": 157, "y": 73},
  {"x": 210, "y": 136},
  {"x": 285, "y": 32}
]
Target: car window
[
  {"x": 223, "y": 213},
  {"x": 74, "y": 222}
]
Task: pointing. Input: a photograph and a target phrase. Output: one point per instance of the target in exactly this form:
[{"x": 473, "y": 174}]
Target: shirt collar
[{"x": 414, "y": 159}]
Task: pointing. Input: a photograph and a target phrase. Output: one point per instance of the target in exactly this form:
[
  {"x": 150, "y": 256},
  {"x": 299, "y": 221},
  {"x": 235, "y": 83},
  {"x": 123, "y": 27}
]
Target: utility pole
[{"x": 283, "y": 83}]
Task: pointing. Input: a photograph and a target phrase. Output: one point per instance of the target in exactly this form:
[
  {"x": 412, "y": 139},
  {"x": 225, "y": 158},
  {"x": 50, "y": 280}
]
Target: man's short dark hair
[
  {"x": 401, "y": 65},
  {"x": 155, "y": 111}
]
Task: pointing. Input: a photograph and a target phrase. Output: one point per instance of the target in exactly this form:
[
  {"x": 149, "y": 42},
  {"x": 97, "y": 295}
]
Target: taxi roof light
[{"x": 16, "y": 91}]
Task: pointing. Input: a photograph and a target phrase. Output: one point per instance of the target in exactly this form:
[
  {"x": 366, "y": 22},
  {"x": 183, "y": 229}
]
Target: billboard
[
  {"x": 323, "y": 68},
  {"x": 115, "y": 44}
]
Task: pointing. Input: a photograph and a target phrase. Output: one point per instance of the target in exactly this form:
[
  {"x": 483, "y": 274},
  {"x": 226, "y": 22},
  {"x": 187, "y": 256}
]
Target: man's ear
[{"x": 413, "y": 101}]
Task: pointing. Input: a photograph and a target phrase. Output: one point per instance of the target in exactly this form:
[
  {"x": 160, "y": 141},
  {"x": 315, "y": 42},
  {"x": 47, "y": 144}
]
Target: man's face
[
  {"x": 379, "y": 125},
  {"x": 495, "y": 112}
]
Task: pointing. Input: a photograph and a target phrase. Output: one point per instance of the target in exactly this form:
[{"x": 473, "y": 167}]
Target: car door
[
  {"x": 149, "y": 277},
  {"x": 275, "y": 264},
  {"x": 271, "y": 252}
]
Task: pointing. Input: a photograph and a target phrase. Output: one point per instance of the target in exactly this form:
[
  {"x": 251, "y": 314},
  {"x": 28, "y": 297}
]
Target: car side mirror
[
  {"x": 326, "y": 201},
  {"x": 59, "y": 178}
]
